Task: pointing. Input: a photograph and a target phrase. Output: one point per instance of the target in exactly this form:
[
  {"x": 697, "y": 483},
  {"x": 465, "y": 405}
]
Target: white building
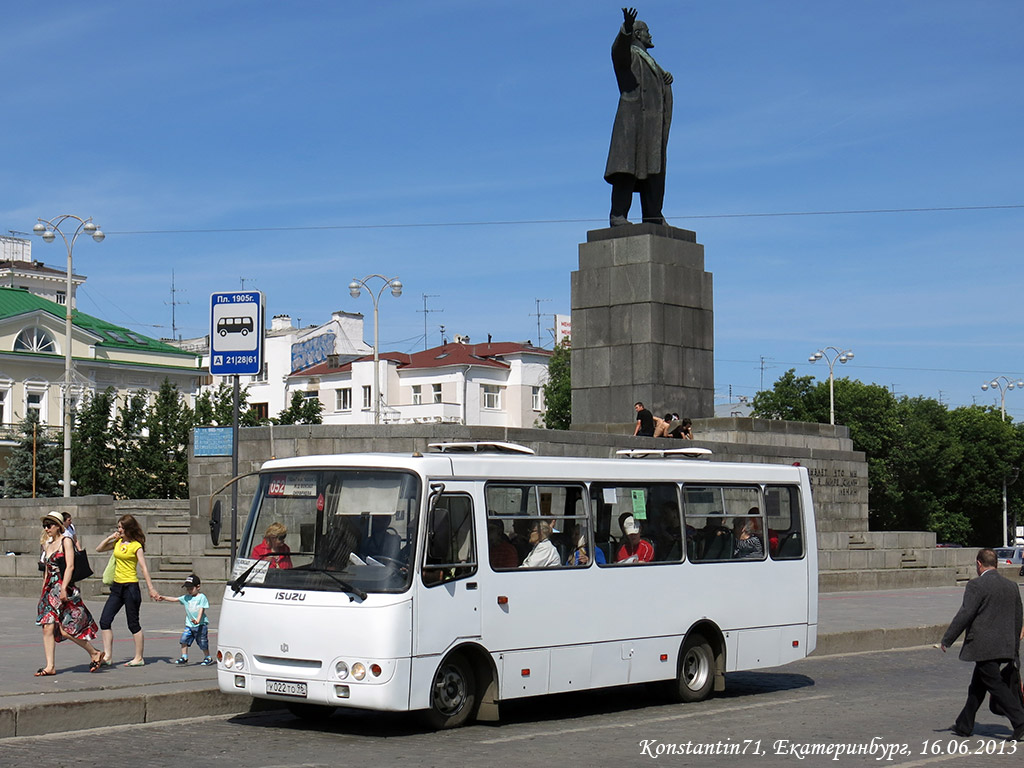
[
  {"x": 286, "y": 349},
  {"x": 17, "y": 270},
  {"x": 488, "y": 384}
]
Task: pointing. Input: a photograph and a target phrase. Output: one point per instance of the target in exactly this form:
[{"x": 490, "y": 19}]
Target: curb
[
  {"x": 865, "y": 640},
  {"x": 27, "y": 715}
]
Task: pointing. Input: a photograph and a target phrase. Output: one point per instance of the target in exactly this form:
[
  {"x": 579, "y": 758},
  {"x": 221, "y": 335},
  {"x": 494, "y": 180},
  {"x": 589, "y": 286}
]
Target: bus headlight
[
  {"x": 229, "y": 660},
  {"x": 239, "y": 661},
  {"x": 341, "y": 670},
  {"x": 358, "y": 670}
]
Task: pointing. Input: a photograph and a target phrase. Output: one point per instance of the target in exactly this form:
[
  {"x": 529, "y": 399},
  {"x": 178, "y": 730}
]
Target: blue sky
[{"x": 298, "y": 145}]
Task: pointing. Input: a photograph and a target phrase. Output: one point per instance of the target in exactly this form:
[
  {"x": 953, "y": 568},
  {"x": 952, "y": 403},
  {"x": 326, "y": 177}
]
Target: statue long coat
[{"x": 640, "y": 132}]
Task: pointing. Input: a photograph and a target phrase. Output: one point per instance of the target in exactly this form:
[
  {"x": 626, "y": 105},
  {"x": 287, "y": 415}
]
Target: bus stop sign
[{"x": 236, "y": 333}]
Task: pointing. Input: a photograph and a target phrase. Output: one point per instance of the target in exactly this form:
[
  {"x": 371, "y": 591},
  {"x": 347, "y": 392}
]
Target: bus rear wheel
[
  {"x": 453, "y": 696},
  {"x": 696, "y": 670}
]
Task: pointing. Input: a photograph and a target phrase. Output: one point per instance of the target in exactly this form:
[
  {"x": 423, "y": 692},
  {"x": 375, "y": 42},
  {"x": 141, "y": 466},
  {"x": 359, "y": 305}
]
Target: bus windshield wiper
[
  {"x": 341, "y": 583},
  {"x": 237, "y": 584}
]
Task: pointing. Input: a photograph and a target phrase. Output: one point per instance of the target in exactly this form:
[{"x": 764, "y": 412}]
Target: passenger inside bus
[
  {"x": 714, "y": 541},
  {"x": 520, "y": 539},
  {"x": 636, "y": 549},
  {"x": 747, "y": 537},
  {"x": 669, "y": 545},
  {"x": 500, "y": 550},
  {"x": 543, "y": 554},
  {"x": 272, "y": 548},
  {"x": 580, "y": 555}
]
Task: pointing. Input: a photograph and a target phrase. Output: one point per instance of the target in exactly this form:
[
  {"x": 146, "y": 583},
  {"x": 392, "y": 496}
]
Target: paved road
[{"x": 906, "y": 698}]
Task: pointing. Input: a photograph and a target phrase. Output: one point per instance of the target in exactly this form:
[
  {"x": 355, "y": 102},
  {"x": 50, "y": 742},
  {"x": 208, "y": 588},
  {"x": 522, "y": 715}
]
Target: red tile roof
[{"x": 483, "y": 354}]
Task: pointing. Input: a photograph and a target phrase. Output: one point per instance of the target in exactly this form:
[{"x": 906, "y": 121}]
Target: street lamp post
[
  {"x": 1004, "y": 385},
  {"x": 831, "y": 359},
  {"x": 396, "y": 290},
  {"x": 49, "y": 230}
]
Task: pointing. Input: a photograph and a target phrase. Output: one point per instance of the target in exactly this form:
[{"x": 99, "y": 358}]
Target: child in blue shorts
[{"x": 196, "y": 620}]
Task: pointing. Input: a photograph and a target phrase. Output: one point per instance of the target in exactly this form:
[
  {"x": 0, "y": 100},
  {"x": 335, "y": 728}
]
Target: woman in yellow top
[{"x": 127, "y": 542}]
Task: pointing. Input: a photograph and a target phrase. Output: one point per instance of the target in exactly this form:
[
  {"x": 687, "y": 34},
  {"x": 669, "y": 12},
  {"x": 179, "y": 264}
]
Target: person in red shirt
[
  {"x": 635, "y": 549},
  {"x": 272, "y": 548}
]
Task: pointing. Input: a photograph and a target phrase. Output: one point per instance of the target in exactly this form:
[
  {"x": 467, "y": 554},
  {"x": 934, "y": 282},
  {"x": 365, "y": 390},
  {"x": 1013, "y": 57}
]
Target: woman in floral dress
[{"x": 61, "y": 612}]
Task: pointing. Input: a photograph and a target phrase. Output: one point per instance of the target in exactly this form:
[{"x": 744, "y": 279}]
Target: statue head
[{"x": 642, "y": 35}]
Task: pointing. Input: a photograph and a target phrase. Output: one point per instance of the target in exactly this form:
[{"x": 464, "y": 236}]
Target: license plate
[{"x": 286, "y": 688}]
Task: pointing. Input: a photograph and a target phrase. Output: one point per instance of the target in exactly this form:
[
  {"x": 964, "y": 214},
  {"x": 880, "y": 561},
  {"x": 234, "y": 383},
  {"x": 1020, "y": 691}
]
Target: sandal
[
  {"x": 41, "y": 672},
  {"x": 95, "y": 665},
  {"x": 139, "y": 663}
]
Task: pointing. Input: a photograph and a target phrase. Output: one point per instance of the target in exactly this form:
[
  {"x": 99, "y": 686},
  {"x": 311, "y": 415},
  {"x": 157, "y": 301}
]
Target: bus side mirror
[{"x": 215, "y": 523}]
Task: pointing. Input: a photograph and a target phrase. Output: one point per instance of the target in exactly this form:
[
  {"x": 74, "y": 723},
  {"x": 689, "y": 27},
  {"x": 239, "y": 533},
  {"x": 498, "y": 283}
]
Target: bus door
[{"x": 447, "y": 604}]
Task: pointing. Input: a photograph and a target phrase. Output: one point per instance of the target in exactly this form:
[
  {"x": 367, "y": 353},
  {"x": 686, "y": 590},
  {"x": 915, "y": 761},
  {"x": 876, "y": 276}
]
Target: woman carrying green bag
[{"x": 127, "y": 543}]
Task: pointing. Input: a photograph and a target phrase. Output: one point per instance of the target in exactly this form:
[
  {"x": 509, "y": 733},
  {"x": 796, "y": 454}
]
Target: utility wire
[{"x": 522, "y": 222}]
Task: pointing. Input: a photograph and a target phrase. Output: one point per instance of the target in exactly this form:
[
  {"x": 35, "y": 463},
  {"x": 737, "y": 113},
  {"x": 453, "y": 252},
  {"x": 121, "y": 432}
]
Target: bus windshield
[{"x": 332, "y": 530}]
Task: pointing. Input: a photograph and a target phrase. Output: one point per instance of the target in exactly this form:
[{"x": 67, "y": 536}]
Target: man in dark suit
[{"x": 992, "y": 615}]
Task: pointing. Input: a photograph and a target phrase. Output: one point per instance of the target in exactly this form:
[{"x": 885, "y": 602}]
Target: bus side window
[
  {"x": 785, "y": 527},
  {"x": 451, "y": 548}
]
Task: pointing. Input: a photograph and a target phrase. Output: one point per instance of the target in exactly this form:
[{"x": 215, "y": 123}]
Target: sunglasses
[
  {"x": 279, "y": 538},
  {"x": 49, "y": 525}
]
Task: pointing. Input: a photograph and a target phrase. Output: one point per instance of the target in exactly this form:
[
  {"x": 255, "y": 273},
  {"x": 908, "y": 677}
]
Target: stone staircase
[{"x": 176, "y": 544}]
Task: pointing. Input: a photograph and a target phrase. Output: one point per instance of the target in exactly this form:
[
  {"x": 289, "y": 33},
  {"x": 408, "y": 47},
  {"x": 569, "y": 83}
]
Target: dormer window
[{"x": 34, "y": 340}]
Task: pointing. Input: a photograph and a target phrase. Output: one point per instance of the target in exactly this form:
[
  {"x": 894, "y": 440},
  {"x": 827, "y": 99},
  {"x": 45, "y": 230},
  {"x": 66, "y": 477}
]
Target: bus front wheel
[
  {"x": 696, "y": 670},
  {"x": 453, "y": 696}
]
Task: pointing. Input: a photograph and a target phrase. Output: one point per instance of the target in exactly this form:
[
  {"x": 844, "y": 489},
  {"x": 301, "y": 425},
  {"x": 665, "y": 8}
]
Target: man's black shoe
[
  {"x": 1018, "y": 734},
  {"x": 965, "y": 734}
]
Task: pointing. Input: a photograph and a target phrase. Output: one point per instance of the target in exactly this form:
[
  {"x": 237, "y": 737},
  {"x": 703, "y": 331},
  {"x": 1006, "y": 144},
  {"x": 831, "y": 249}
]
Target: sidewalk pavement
[{"x": 161, "y": 690}]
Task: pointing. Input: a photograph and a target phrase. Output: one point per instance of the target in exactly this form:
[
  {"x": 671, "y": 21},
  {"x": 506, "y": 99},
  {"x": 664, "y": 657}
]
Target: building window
[
  {"x": 34, "y": 340},
  {"x": 417, "y": 394},
  {"x": 3, "y": 407},
  {"x": 262, "y": 375},
  {"x": 62, "y": 297},
  {"x": 367, "y": 398},
  {"x": 34, "y": 404},
  {"x": 437, "y": 393},
  {"x": 262, "y": 410},
  {"x": 492, "y": 397},
  {"x": 343, "y": 399},
  {"x": 535, "y": 391}
]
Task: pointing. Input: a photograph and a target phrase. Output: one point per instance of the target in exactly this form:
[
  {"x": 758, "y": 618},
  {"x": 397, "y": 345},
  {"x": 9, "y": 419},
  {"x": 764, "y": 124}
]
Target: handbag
[
  {"x": 82, "y": 569},
  {"x": 108, "y": 572}
]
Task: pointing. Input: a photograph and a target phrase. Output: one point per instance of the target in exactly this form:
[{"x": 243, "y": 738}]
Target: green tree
[
  {"x": 301, "y": 410},
  {"x": 92, "y": 453},
  {"x": 164, "y": 450},
  {"x": 791, "y": 398},
  {"x": 214, "y": 408},
  {"x": 929, "y": 468},
  {"x": 35, "y": 454},
  {"x": 558, "y": 389},
  {"x": 130, "y": 480}
]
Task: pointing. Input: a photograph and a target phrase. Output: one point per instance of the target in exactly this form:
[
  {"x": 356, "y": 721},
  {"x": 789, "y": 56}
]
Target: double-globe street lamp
[
  {"x": 396, "y": 290},
  {"x": 48, "y": 230},
  {"x": 1004, "y": 385},
  {"x": 842, "y": 357}
]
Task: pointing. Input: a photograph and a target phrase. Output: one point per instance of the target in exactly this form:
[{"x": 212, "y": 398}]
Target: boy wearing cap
[
  {"x": 634, "y": 549},
  {"x": 196, "y": 621}
]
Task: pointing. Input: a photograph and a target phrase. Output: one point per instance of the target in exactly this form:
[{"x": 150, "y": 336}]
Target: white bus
[{"x": 451, "y": 581}]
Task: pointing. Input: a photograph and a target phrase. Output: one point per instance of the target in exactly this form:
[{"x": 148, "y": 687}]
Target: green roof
[{"x": 18, "y": 301}]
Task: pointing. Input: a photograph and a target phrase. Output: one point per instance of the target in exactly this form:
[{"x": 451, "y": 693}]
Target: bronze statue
[{"x": 636, "y": 158}]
